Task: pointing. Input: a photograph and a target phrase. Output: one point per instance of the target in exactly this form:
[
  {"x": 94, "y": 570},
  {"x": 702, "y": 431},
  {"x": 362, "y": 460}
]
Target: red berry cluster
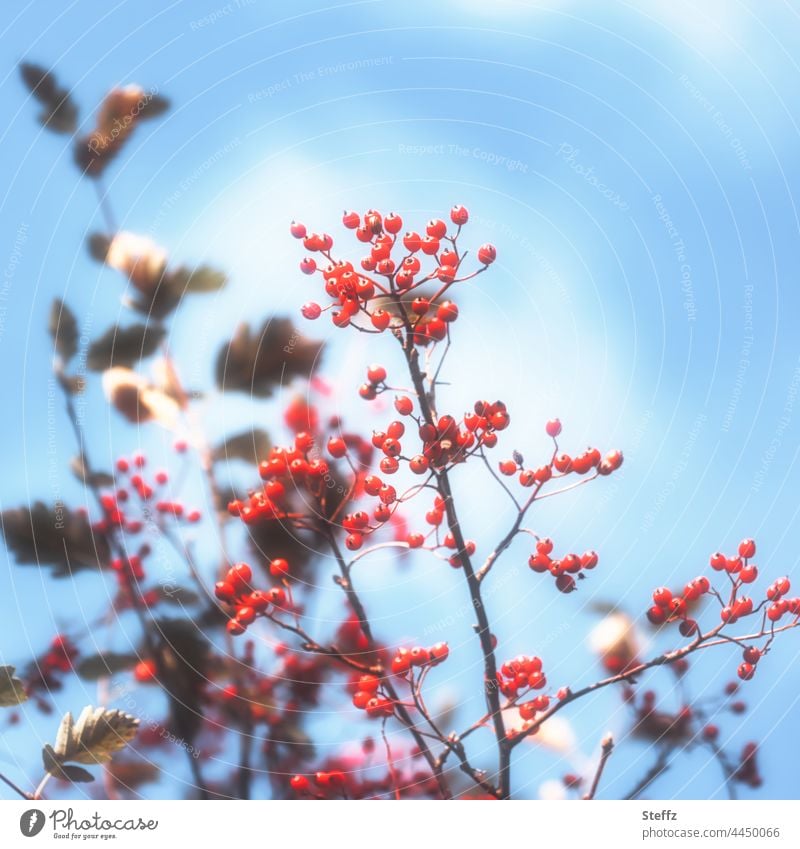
[
  {"x": 747, "y": 770},
  {"x": 406, "y": 660},
  {"x": 393, "y": 266},
  {"x": 674, "y": 608},
  {"x": 236, "y": 590},
  {"x": 519, "y": 675},
  {"x": 366, "y": 697},
  {"x": 284, "y": 472},
  {"x": 564, "y": 568}
]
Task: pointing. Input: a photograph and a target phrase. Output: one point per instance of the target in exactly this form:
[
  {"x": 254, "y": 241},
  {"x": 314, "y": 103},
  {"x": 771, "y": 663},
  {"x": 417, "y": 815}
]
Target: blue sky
[{"x": 634, "y": 165}]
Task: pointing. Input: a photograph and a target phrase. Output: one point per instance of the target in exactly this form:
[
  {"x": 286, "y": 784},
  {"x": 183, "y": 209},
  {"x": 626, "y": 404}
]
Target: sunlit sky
[{"x": 634, "y": 165}]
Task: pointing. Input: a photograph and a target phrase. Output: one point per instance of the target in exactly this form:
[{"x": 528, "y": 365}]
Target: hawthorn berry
[
  {"x": 459, "y": 215},
  {"x": 553, "y": 428},
  {"x": 487, "y": 254}
]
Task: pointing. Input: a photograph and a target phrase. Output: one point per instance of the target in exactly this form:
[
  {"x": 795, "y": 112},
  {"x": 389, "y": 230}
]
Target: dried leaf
[
  {"x": 54, "y": 536},
  {"x": 98, "y": 480},
  {"x": 252, "y": 446},
  {"x": 258, "y": 362},
  {"x": 97, "y": 734},
  {"x": 136, "y": 399},
  {"x": 63, "y": 328},
  {"x": 202, "y": 279},
  {"x": 102, "y": 665},
  {"x": 59, "y": 112},
  {"x": 124, "y": 346},
  {"x": 12, "y": 690},
  {"x": 121, "y": 111}
]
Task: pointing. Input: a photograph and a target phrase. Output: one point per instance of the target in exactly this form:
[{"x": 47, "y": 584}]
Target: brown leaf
[
  {"x": 63, "y": 328},
  {"x": 12, "y": 690},
  {"x": 121, "y": 111},
  {"x": 95, "y": 736},
  {"x": 257, "y": 362},
  {"x": 103, "y": 665},
  {"x": 124, "y": 346},
  {"x": 53, "y": 536},
  {"x": 252, "y": 446},
  {"x": 59, "y": 112}
]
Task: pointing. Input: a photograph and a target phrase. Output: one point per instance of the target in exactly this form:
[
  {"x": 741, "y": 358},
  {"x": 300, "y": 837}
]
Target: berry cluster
[
  {"x": 236, "y": 590},
  {"x": 406, "y": 659},
  {"x": 393, "y": 266},
  {"x": 285, "y": 471},
  {"x": 519, "y": 675},
  {"x": 366, "y": 697},
  {"x": 564, "y": 568}
]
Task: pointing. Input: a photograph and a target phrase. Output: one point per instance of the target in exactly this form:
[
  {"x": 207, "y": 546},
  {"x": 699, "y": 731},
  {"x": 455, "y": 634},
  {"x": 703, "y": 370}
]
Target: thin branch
[
  {"x": 605, "y": 754},
  {"x": 14, "y": 787},
  {"x": 661, "y": 765}
]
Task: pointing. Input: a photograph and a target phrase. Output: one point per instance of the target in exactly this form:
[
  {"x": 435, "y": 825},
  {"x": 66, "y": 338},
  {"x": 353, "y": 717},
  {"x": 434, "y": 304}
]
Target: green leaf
[
  {"x": 124, "y": 346},
  {"x": 12, "y": 690},
  {"x": 252, "y": 446},
  {"x": 102, "y": 665},
  {"x": 63, "y": 328}
]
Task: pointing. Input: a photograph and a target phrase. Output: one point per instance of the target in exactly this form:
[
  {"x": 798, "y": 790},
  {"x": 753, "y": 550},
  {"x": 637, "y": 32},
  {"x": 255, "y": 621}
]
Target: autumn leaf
[
  {"x": 257, "y": 362},
  {"x": 102, "y": 665},
  {"x": 59, "y": 112},
  {"x": 138, "y": 400},
  {"x": 121, "y": 111},
  {"x": 95, "y": 737},
  {"x": 124, "y": 346},
  {"x": 53, "y": 536},
  {"x": 12, "y": 690},
  {"x": 252, "y": 446}
]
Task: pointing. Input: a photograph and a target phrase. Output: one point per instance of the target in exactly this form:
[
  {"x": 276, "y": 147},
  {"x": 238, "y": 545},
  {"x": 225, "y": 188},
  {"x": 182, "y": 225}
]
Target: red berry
[
  {"x": 298, "y": 230},
  {"x": 746, "y": 671},
  {"x": 381, "y": 319},
  {"x": 376, "y": 374},
  {"x": 354, "y": 541},
  {"x": 751, "y": 655},
  {"x": 747, "y": 548},
  {"x": 311, "y": 310},
  {"x": 337, "y": 447},
  {"x": 748, "y": 574},
  {"x": 308, "y": 266},
  {"x": 662, "y": 596},
  {"x": 487, "y": 254},
  {"x": 351, "y": 220},
  {"x": 436, "y": 228},
  {"x": 718, "y": 561},
  {"x": 393, "y": 223},
  {"x": 279, "y": 568},
  {"x": 459, "y": 215},
  {"x": 403, "y": 405},
  {"x": 300, "y": 784},
  {"x": 553, "y": 428}
]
